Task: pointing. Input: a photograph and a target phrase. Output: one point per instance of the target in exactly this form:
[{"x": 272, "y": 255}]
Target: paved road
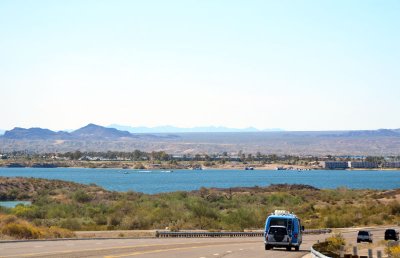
[
  {"x": 184, "y": 248},
  {"x": 164, "y": 248}
]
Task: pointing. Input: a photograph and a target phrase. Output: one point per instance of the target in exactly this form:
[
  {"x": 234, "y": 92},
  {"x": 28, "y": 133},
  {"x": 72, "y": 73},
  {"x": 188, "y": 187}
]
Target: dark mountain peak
[
  {"x": 91, "y": 125},
  {"x": 97, "y": 131},
  {"x": 34, "y": 133}
]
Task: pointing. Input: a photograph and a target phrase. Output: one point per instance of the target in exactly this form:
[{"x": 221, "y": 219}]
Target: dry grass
[{"x": 12, "y": 227}]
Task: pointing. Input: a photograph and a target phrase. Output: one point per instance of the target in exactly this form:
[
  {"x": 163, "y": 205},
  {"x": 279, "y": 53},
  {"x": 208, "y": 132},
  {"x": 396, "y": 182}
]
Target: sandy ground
[
  {"x": 262, "y": 167},
  {"x": 116, "y": 234}
]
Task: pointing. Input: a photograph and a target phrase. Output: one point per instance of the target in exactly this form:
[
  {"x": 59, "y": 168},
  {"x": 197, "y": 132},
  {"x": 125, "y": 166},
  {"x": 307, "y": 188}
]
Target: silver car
[{"x": 364, "y": 236}]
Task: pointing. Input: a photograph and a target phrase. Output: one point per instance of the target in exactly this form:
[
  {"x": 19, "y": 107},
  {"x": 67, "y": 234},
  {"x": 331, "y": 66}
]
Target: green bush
[
  {"x": 240, "y": 219},
  {"x": 71, "y": 223},
  {"x": 81, "y": 196}
]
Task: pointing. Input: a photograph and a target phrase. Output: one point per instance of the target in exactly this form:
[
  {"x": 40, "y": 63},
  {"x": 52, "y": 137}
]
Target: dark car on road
[
  {"x": 391, "y": 234},
  {"x": 364, "y": 236}
]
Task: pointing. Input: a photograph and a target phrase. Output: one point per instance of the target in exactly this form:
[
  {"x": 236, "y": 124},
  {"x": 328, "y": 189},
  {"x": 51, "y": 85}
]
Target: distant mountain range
[
  {"x": 91, "y": 131},
  {"x": 203, "y": 129},
  {"x": 204, "y": 140},
  {"x": 113, "y": 132},
  {"x": 379, "y": 132}
]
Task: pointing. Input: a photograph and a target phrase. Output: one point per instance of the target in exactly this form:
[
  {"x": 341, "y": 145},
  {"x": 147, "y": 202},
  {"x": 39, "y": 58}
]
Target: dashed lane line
[
  {"x": 171, "y": 249},
  {"x": 105, "y": 249},
  {"x": 89, "y": 250}
]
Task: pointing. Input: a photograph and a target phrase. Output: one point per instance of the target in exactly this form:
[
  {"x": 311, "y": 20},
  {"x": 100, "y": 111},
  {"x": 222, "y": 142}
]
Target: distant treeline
[{"x": 138, "y": 155}]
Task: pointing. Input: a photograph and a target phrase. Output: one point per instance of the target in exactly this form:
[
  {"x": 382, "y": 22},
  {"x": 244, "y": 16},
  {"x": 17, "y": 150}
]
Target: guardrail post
[
  {"x": 370, "y": 253},
  {"x": 355, "y": 251},
  {"x": 379, "y": 253},
  {"x": 341, "y": 254}
]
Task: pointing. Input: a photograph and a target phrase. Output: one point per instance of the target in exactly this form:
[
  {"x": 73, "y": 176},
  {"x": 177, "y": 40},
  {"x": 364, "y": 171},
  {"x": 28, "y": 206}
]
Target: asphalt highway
[
  {"x": 163, "y": 247},
  {"x": 166, "y": 247}
]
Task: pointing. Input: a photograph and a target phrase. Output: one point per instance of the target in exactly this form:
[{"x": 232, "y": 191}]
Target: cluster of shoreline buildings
[{"x": 359, "y": 164}]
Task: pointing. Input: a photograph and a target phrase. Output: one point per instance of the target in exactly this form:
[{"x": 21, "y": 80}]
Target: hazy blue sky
[{"x": 297, "y": 65}]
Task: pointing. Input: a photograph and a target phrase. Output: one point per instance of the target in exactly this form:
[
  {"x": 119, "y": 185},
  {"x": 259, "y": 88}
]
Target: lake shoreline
[{"x": 167, "y": 166}]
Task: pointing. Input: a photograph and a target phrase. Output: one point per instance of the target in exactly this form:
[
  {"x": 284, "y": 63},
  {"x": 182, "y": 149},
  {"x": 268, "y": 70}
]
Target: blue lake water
[
  {"x": 12, "y": 204},
  {"x": 184, "y": 180}
]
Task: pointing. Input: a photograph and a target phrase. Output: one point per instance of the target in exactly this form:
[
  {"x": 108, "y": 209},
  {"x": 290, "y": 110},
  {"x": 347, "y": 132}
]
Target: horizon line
[{"x": 2, "y": 131}]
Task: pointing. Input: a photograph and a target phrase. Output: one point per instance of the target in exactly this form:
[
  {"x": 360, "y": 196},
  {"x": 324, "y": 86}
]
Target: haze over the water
[{"x": 296, "y": 65}]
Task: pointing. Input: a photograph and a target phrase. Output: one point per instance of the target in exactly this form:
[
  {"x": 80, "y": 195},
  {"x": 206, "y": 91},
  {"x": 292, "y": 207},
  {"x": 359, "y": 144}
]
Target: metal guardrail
[
  {"x": 316, "y": 254},
  {"x": 208, "y": 234},
  {"x": 196, "y": 234},
  {"x": 317, "y": 231}
]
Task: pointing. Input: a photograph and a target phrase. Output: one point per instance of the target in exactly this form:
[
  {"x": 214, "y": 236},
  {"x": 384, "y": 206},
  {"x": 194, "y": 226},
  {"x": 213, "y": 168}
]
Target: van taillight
[{"x": 266, "y": 237}]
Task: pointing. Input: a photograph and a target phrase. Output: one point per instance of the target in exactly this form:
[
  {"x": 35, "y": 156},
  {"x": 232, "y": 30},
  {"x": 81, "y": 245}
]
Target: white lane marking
[
  {"x": 202, "y": 257},
  {"x": 229, "y": 252},
  {"x": 241, "y": 249},
  {"x": 216, "y": 254}
]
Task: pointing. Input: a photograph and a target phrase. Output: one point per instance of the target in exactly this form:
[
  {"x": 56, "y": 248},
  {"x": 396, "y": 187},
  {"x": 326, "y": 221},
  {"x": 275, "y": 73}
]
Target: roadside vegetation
[
  {"x": 75, "y": 206},
  {"x": 393, "y": 251},
  {"x": 331, "y": 246},
  {"x": 12, "y": 227}
]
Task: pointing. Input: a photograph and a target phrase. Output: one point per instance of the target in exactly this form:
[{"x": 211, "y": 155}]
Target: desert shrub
[
  {"x": 394, "y": 208},
  {"x": 393, "y": 251},
  {"x": 16, "y": 228},
  {"x": 57, "y": 211},
  {"x": 339, "y": 221},
  {"x": 331, "y": 245},
  {"x": 26, "y": 211},
  {"x": 81, "y": 196},
  {"x": 202, "y": 213},
  {"x": 240, "y": 219},
  {"x": 113, "y": 221},
  {"x": 71, "y": 223},
  {"x": 21, "y": 231},
  {"x": 6, "y": 219},
  {"x": 133, "y": 222},
  {"x": 56, "y": 232},
  {"x": 100, "y": 219}
]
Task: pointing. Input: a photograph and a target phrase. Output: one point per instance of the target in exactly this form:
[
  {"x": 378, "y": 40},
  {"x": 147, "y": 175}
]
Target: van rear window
[{"x": 278, "y": 222}]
